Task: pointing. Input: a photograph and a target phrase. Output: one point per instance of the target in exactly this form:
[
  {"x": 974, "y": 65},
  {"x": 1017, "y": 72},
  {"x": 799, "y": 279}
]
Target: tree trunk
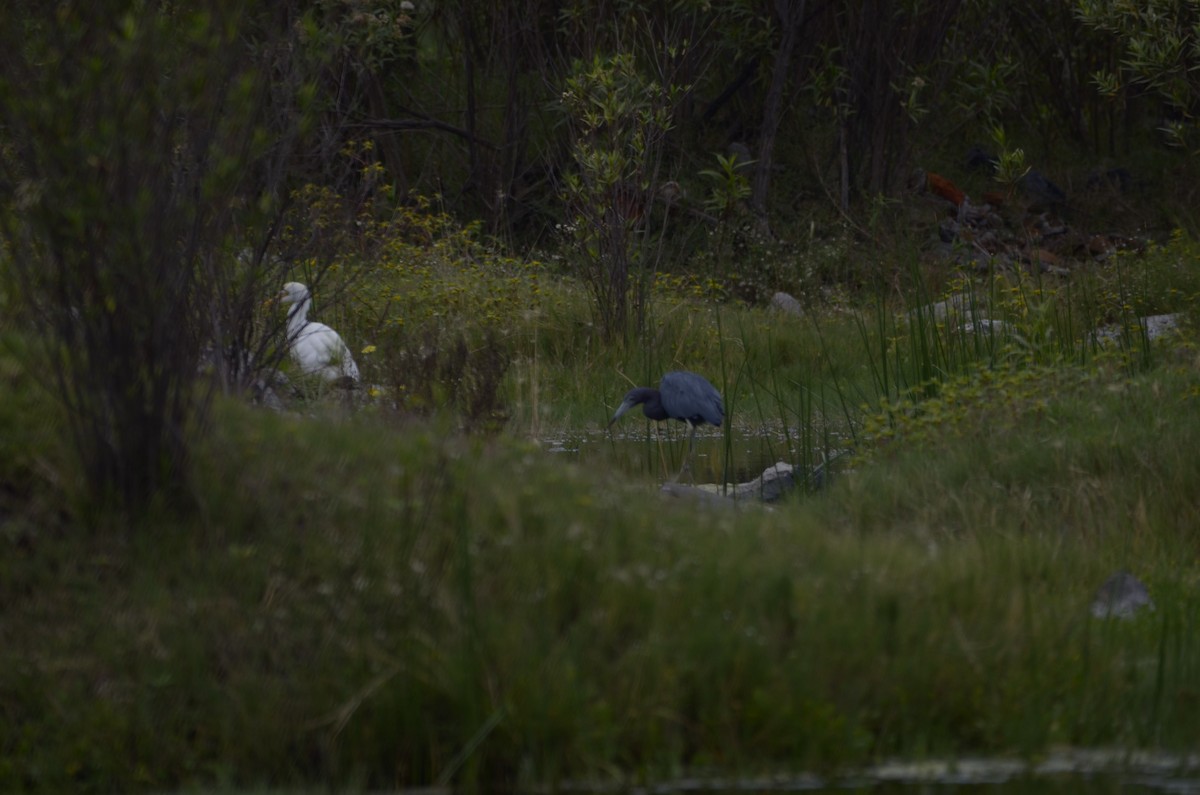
[
  {"x": 790, "y": 13},
  {"x": 389, "y": 149}
]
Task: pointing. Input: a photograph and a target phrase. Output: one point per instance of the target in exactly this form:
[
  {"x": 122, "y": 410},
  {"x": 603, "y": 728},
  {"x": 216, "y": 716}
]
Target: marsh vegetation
[{"x": 379, "y": 598}]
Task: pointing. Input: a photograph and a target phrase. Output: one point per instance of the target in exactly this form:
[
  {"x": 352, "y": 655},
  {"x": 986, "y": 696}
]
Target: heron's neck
[
  {"x": 651, "y": 400},
  {"x": 297, "y": 316}
]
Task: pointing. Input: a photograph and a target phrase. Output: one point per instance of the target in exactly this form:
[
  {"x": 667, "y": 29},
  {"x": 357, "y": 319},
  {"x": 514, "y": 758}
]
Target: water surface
[
  {"x": 1064, "y": 772},
  {"x": 642, "y": 450}
]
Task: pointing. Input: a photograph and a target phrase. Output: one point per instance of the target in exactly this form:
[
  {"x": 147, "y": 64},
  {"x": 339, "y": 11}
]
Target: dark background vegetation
[{"x": 163, "y": 164}]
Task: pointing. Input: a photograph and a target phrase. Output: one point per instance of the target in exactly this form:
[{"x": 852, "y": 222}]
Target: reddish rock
[
  {"x": 943, "y": 187},
  {"x": 1044, "y": 257}
]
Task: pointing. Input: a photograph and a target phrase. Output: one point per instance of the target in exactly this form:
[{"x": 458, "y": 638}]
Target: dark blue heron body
[{"x": 682, "y": 396}]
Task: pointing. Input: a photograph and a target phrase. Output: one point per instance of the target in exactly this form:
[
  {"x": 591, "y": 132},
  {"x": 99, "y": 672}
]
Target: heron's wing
[
  {"x": 715, "y": 411},
  {"x": 717, "y": 407},
  {"x": 690, "y": 396}
]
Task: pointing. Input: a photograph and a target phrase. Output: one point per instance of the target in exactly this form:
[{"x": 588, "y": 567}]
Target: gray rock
[
  {"x": 783, "y": 302},
  {"x": 775, "y": 481},
  {"x": 1038, "y": 187},
  {"x": 1121, "y": 596},
  {"x": 709, "y": 495},
  {"x": 987, "y": 326},
  {"x": 956, "y": 305},
  {"x": 1154, "y": 327},
  {"x": 266, "y": 389},
  {"x": 1160, "y": 325}
]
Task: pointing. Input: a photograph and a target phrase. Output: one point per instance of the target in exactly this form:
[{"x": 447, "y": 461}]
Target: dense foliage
[{"x": 145, "y": 145}]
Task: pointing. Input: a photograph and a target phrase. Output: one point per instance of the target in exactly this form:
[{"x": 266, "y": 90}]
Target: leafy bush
[{"x": 126, "y": 170}]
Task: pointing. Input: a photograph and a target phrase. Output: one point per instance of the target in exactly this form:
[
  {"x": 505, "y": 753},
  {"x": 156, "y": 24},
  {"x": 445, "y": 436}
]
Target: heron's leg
[
  {"x": 687, "y": 458},
  {"x": 691, "y": 452}
]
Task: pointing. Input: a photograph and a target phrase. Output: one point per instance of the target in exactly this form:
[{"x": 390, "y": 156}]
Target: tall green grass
[
  {"x": 365, "y": 601},
  {"x": 369, "y": 605}
]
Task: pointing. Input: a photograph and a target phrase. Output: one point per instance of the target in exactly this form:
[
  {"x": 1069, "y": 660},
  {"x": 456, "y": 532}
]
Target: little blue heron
[
  {"x": 315, "y": 347},
  {"x": 682, "y": 396}
]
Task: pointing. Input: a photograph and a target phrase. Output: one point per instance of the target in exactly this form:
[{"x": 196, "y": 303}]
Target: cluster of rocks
[
  {"x": 1023, "y": 228},
  {"x": 1023, "y": 225}
]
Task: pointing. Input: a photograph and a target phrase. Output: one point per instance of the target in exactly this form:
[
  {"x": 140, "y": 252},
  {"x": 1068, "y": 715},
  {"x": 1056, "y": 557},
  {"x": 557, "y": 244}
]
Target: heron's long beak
[{"x": 621, "y": 409}]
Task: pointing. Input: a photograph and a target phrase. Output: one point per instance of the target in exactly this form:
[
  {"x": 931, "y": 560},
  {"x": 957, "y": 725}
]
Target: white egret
[{"x": 315, "y": 348}]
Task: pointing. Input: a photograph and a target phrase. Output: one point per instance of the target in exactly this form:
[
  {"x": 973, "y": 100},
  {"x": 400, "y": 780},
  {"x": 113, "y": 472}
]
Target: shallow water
[
  {"x": 1084, "y": 771},
  {"x": 1069, "y": 771},
  {"x": 644, "y": 451},
  {"x": 1063, "y": 785}
]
